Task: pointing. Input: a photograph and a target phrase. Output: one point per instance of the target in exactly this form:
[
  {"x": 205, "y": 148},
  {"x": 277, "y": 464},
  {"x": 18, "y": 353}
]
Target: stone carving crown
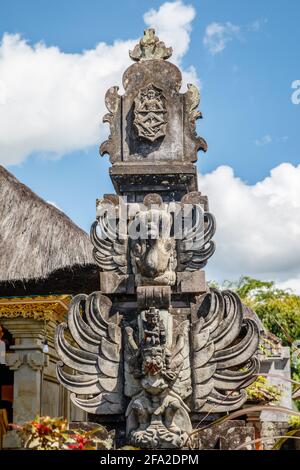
[{"x": 150, "y": 47}]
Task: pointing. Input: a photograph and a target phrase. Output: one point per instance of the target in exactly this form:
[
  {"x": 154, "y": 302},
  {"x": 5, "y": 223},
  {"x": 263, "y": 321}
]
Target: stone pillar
[
  {"x": 27, "y": 361},
  {"x": 278, "y": 370}
]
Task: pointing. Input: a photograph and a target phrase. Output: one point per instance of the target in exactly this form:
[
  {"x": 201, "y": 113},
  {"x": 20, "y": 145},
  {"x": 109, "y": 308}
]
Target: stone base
[
  {"x": 269, "y": 431},
  {"x": 11, "y": 441},
  {"x": 225, "y": 436}
]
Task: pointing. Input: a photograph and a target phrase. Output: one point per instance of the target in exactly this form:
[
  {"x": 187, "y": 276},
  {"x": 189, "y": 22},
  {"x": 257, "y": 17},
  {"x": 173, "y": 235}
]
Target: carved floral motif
[
  {"x": 150, "y": 47},
  {"x": 39, "y": 308}
]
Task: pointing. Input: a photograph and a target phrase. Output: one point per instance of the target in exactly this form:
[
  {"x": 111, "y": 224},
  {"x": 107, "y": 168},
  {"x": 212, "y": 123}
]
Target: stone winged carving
[
  {"x": 163, "y": 347},
  {"x": 196, "y": 245},
  {"x": 154, "y": 370},
  {"x": 110, "y": 245},
  {"x": 224, "y": 347},
  {"x": 150, "y": 249},
  {"x": 96, "y": 358}
]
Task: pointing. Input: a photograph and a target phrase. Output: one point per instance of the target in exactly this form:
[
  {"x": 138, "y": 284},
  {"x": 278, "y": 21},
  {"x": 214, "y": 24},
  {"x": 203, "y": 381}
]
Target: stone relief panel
[
  {"x": 152, "y": 121},
  {"x": 150, "y": 113}
]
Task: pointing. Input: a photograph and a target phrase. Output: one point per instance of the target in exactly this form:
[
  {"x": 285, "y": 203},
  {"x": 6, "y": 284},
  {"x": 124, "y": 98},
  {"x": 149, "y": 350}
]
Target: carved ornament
[{"x": 39, "y": 308}]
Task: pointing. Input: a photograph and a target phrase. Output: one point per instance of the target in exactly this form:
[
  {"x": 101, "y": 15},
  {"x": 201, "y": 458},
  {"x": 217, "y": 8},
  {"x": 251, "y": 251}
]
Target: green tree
[{"x": 278, "y": 309}]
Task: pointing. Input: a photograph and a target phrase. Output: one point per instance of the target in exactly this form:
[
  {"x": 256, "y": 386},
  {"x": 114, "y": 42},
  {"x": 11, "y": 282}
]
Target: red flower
[
  {"x": 76, "y": 446},
  {"x": 41, "y": 428}
]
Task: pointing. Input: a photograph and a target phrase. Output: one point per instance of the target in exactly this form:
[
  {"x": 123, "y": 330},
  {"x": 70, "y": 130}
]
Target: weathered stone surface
[
  {"x": 152, "y": 121},
  {"x": 223, "y": 344},
  {"x": 27, "y": 362},
  {"x": 153, "y": 296},
  {"x": 97, "y": 357},
  {"x": 113, "y": 283},
  {"x": 270, "y": 430},
  {"x": 278, "y": 365},
  {"x": 191, "y": 282},
  {"x": 171, "y": 181},
  {"x": 150, "y": 47},
  {"x": 149, "y": 113},
  {"x": 11, "y": 441},
  {"x": 162, "y": 340},
  {"x": 224, "y": 436},
  {"x": 152, "y": 241},
  {"x": 237, "y": 437},
  {"x": 157, "y": 416}
]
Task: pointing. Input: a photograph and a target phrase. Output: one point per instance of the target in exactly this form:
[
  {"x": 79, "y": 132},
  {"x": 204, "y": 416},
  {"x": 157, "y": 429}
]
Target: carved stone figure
[
  {"x": 153, "y": 254},
  {"x": 149, "y": 249},
  {"x": 158, "y": 373},
  {"x": 150, "y": 113},
  {"x": 160, "y": 346}
]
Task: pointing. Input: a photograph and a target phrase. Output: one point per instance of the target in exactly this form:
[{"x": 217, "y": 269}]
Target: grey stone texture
[{"x": 155, "y": 345}]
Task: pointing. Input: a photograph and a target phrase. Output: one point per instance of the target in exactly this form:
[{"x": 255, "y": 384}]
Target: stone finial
[{"x": 150, "y": 47}]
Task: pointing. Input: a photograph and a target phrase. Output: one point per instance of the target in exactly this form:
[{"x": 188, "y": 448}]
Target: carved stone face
[
  {"x": 152, "y": 317},
  {"x": 152, "y": 257},
  {"x": 151, "y": 94},
  {"x": 153, "y": 362}
]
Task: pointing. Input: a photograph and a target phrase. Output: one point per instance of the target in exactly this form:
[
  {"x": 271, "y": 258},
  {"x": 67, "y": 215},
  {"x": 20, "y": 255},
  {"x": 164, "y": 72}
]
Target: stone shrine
[{"x": 155, "y": 347}]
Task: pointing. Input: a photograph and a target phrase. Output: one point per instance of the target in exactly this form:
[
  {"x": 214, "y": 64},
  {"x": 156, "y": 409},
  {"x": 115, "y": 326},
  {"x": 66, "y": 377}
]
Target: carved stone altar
[{"x": 155, "y": 344}]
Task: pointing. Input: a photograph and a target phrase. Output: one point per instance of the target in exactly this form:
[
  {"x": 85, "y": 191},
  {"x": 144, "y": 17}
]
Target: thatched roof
[{"x": 36, "y": 238}]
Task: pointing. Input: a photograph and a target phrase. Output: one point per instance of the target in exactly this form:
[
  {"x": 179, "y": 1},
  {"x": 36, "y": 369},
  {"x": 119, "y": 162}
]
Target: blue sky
[{"x": 245, "y": 55}]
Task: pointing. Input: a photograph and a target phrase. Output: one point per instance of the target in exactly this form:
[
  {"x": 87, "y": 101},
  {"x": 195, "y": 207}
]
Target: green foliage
[
  {"x": 262, "y": 391},
  {"x": 278, "y": 309},
  {"x": 294, "y": 422}
]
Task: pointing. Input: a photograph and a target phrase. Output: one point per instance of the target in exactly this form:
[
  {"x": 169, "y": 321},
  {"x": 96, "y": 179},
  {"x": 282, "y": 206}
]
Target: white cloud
[
  {"x": 265, "y": 140},
  {"x": 218, "y": 35},
  {"x": 52, "y": 102},
  {"x": 257, "y": 25},
  {"x": 292, "y": 284},
  {"x": 173, "y": 21},
  {"x": 258, "y": 226}
]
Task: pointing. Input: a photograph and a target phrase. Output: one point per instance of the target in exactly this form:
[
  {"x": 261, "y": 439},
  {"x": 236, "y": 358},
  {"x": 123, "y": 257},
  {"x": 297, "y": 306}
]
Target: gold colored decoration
[{"x": 53, "y": 307}]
